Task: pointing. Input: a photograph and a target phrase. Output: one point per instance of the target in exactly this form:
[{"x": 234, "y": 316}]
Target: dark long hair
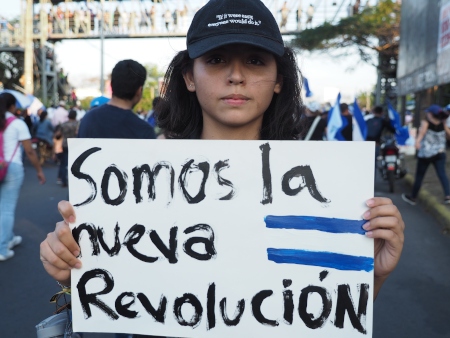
[
  {"x": 2, "y": 113},
  {"x": 181, "y": 115}
]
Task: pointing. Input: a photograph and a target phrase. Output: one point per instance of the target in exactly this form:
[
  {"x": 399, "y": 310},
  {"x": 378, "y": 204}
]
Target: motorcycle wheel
[{"x": 391, "y": 180}]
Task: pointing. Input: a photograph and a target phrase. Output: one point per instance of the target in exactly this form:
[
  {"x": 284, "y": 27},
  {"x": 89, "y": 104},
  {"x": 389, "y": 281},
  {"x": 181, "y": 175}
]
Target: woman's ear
[
  {"x": 278, "y": 84},
  {"x": 189, "y": 80}
]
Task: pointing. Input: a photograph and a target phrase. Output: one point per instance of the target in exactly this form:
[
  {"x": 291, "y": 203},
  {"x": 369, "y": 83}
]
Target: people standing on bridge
[
  {"x": 168, "y": 19},
  {"x": 152, "y": 15},
  {"x": 309, "y": 16},
  {"x": 123, "y": 21},
  {"x": 132, "y": 22},
  {"x": 116, "y": 20},
  {"x": 15, "y": 133},
  {"x": 284, "y": 15},
  {"x": 217, "y": 64},
  {"x": 431, "y": 149},
  {"x": 299, "y": 16}
]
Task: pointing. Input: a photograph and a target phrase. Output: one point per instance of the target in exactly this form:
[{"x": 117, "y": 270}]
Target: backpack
[
  {"x": 374, "y": 128},
  {"x": 3, "y": 162}
]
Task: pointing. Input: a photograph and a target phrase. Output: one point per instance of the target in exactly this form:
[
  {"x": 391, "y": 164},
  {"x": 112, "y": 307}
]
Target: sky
[{"x": 326, "y": 74}]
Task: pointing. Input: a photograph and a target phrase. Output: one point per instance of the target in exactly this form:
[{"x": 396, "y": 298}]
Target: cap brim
[{"x": 203, "y": 46}]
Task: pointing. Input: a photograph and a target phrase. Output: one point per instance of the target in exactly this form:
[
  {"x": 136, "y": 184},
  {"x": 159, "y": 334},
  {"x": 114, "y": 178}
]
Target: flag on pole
[
  {"x": 401, "y": 133},
  {"x": 359, "y": 124},
  {"x": 336, "y": 122},
  {"x": 308, "y": 92}
]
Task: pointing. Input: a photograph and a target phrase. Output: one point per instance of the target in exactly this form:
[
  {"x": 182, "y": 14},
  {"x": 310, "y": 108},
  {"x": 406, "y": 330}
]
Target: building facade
[{"x": 424, "y": 55}]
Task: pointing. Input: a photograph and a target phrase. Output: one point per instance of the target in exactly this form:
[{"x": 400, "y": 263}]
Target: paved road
[{"x": 413, "y": 303}]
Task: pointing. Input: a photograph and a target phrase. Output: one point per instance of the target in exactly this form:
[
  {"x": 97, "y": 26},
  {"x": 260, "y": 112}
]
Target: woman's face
[{"x": 234, "y": 85}]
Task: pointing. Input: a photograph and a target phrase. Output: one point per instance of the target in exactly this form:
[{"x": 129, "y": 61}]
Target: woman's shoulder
[{"x": 17, "y": 122}]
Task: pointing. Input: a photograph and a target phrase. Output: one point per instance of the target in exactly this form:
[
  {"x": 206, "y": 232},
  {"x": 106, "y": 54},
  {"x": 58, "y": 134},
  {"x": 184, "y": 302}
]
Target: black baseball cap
[{"x": 223, "y": 22}]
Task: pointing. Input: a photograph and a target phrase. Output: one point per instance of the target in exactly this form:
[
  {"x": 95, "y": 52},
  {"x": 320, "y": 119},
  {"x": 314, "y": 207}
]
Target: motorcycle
[
  {"x": 43, "y": 149},
  {"x": 390, "y": 161}
]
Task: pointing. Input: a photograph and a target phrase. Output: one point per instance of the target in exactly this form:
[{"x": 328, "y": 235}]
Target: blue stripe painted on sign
[
  {"x": 320, "y": 258},
  {"x": 333, "y": 225}
]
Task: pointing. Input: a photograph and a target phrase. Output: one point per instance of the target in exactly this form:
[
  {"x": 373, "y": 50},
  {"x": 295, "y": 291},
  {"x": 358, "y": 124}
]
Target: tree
[
  {"x": 374, "y": 32},
  {"x": 150, "y": 88}
]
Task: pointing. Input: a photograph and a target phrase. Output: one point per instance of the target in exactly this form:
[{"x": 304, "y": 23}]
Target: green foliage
[
  {"x": 150, "y": 88},
  {"x": 86, "y": 102},
  {"x": 376, "y": 28},
  {"x": 366, "y": 100}
]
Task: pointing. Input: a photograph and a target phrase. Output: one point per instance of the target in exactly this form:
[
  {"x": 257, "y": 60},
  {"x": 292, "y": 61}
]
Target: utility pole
[
  {"x": 102, "y": 38},
  {"x": 28, "y": 42},
  {"x": 44, "y": 32}
]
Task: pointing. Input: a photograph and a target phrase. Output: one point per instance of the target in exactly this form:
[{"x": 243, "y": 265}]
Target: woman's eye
[
  {"x": 215, "y": 60},
  {"x": 255, "y": 61}
]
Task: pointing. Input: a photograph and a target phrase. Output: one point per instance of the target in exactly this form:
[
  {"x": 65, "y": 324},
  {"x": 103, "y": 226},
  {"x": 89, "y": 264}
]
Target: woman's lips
[{"x": 235, "y": 99}]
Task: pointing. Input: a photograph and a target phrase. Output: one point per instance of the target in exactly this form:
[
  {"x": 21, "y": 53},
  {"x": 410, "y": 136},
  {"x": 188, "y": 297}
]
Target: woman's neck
[
  {"x": 213, "y": 130},
  {"x": 230, "y": 134}
]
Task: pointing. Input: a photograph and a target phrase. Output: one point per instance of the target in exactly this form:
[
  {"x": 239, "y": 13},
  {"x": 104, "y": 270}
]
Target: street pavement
[{"x": 414, "y": 302}]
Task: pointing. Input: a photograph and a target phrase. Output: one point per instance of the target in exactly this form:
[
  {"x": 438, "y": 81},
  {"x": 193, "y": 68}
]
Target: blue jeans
[
  {"x": 9, "y": 194},
  {"x": 439, "y": 165}
]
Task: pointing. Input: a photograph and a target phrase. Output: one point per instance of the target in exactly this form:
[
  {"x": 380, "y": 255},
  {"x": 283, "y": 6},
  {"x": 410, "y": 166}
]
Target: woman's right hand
[{"x": 59, "y": 251}]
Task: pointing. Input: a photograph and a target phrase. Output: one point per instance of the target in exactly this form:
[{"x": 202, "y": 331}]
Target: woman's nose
[{"x": 236, "y": 75}]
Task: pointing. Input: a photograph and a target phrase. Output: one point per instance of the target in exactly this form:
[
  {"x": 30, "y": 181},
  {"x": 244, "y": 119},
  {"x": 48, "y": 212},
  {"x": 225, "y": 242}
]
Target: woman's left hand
[{"x": 386, "y": 226}]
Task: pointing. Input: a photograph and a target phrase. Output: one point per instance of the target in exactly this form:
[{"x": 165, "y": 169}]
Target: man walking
[
  {"x": 60, "y": 114},
  {"x": 116, "y": 118}
]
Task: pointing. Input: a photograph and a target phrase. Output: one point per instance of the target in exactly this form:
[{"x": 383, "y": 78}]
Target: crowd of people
[
  {"x": 145, "y": 17},
  {"x": 430, "y": 143},
  {"x": 245, "y": 91}
]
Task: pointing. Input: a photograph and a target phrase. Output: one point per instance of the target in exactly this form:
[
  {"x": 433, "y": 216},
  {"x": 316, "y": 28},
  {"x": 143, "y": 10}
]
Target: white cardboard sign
[{"x": 191, "y": 238}]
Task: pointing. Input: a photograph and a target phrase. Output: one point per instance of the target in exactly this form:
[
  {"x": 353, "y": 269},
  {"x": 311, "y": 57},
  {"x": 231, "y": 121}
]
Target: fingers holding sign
[
  {"x": 386, "y": 226},
  {"x": 59, "y": 251}
]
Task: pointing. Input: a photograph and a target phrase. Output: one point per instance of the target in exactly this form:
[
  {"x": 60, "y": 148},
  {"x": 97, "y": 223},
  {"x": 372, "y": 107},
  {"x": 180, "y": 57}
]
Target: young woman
[
  {"x": 235, "y": 81},
  {"x": 431, "y": 144},
  {"x": 15, "y": 133}
]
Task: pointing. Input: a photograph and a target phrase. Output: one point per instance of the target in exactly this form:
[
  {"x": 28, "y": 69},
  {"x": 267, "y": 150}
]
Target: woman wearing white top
[{"x": 15, "y": 133}]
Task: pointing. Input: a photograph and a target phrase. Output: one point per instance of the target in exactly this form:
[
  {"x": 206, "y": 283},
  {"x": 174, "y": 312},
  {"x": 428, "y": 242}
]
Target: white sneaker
[
  {"x": 8, "y": 255},
  {"x": 14, "y": 242}
]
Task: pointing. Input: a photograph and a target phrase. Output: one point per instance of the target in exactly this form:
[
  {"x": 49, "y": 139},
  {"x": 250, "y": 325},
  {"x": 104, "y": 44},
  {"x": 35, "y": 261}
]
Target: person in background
[
  {"x": 60, "y": 114},
  {"x": 15, "y": 132},
  {"x": 314, "y": 124},
  {"x": 58, "y": 155},
  {"x": 376, "y": 125},
  {"x": 152, "y": 115},
  {"x": 80, "y": 111},
  {"x": 116, "y": 119},
  {"x": 284, "y": 15},
  {"x": 347, "y": 131},
  {"x": 67, "y": 130},
  {"x": 44, "y": 129},
  {"x": 430, "y": 145}
]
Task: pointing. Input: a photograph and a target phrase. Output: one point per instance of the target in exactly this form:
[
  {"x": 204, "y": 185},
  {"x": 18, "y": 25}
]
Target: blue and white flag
[
  {"x": 336, "y": 257},
  {"x": 359, "y": 124},
  {"x": 336, "y": 122},
  {"x": 308, "y": 92},
  {"x": 401, "y": 133}
]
